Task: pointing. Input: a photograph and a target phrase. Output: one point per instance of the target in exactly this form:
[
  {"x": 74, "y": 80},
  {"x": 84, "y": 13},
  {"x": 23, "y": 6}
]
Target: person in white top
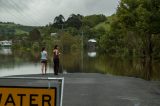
[{"x": 44, "y": 60}]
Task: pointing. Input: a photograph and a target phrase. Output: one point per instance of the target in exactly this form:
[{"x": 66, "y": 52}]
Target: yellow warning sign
[{"x": 16, "y": 96}]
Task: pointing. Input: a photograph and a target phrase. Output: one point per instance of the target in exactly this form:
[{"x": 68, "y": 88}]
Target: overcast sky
[{"x": 41, "y": 12}]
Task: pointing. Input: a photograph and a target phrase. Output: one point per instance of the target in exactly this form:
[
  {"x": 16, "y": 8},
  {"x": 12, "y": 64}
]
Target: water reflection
[
  {"x": 92, "y": 54},
  {"x": 5, "y": 51},
  {"x": 139, "y": 68},
  {"x": 70, "y": 62}
]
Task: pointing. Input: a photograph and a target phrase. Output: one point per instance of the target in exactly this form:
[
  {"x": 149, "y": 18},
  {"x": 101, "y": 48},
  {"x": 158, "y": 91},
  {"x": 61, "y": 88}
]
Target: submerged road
[{"x": 82, "y": 89}]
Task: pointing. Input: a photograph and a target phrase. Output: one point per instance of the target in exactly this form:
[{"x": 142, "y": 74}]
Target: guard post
[{"x": 31, "y": 91}]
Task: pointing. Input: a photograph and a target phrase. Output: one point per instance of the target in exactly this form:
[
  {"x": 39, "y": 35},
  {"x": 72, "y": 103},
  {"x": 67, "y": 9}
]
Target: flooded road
[{"x": 19, "y": 63}]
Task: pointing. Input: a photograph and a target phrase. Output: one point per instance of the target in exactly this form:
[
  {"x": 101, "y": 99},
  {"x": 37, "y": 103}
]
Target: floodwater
[{"x": 18, "y": 63}]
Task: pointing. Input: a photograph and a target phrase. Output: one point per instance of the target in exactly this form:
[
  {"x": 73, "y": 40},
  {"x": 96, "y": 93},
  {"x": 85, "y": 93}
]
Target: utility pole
[
  {"x": 62, "y": 26},
  {"x": 62, "y": 47},
  {"x": 82, "y": 52}
]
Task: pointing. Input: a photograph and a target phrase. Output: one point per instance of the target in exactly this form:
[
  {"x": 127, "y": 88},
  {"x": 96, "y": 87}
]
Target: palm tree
[
  {"x": 59, "y": 19},
  {"x": 74, "y": 21}
]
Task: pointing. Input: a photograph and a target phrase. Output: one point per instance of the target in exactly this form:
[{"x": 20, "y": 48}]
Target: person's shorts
[{"x": 44, "y": 61}]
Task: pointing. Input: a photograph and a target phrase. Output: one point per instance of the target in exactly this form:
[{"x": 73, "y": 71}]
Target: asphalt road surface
[{"x": 82, "y": 89}]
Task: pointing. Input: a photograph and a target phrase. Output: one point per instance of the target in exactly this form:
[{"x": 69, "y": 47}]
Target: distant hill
[
  {"x": 105, "y": 25},
  {"x": 9, "y": 28}
]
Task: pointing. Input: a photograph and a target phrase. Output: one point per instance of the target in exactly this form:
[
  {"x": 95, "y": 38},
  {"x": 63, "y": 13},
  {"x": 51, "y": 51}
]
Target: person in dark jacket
[{"x": 56, "y": 54}]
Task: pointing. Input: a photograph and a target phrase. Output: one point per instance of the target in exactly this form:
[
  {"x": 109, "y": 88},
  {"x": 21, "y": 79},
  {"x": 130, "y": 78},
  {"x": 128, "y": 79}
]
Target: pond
[{"x": 18, "y": 63}]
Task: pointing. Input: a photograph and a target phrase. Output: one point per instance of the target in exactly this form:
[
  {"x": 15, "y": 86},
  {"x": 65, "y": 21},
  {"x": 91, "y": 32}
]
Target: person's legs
[
  {"x": 56, "y": 66},
  {"x": 45, "y": 65},
  {"x": 42, "y": 67}
]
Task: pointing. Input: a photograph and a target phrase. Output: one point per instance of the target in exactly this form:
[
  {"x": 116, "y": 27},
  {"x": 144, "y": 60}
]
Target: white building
[
  {"x": 54, "y": 34},
  {"x": 92, "y": 43},
  {"x": 5, "y": 43}
]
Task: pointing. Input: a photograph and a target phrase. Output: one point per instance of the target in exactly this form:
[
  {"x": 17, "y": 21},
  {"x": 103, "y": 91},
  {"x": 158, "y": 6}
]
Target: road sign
[
  {"x": 33, "y": 92},
  {"x": 26, "y": 96}
]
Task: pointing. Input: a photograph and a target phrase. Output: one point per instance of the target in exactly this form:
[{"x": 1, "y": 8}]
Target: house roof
[{"x": 92, "y": 40}]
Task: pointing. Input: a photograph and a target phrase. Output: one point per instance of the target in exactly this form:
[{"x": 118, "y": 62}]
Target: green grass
[
  {"x": 104, "y": 25},
  {"x": 19, "y": 29},
  {"x": 18, "y": 32}
]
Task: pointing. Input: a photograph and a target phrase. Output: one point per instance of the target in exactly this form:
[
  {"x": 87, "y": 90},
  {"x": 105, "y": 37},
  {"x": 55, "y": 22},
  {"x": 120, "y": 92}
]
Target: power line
[
  {"x": 14, "y": 9},
  {"x": 36, "y": 13},
  {"x": 18, "y": 12},
  {"x": 11, "y": 13},
  {"x": 18, "y": 8}
]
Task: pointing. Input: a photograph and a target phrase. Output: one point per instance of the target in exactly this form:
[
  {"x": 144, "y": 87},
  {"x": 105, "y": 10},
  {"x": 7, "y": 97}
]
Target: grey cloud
[
  {"x": 16, "y": 5},
  {"x": 106, "y": 7},
  {"x": 41, "y": 12}
]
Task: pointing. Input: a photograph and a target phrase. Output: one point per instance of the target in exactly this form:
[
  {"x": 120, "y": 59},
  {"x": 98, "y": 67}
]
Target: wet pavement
[{"x": 91, "y": 89}]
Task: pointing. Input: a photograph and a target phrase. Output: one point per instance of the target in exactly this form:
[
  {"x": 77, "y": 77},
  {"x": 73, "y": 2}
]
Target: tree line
[
  {"x": 134, "y": 30},
  {"x": 68, "y": 33}
]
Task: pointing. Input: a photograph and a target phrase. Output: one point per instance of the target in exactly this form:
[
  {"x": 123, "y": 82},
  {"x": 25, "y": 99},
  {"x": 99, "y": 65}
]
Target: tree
[
  {"x": 74, "y": 21},
  {"x": 35, "y": 35},
  {"x": 93, "y": 20},
  {"x": 59, "y": 21},
  {"x": 142, "y": 16}
]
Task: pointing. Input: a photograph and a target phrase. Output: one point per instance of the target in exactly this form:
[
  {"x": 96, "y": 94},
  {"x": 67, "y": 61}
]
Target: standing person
[
  {"x": 56, "y": 54},
  {"x": 44, "y": 60}
]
